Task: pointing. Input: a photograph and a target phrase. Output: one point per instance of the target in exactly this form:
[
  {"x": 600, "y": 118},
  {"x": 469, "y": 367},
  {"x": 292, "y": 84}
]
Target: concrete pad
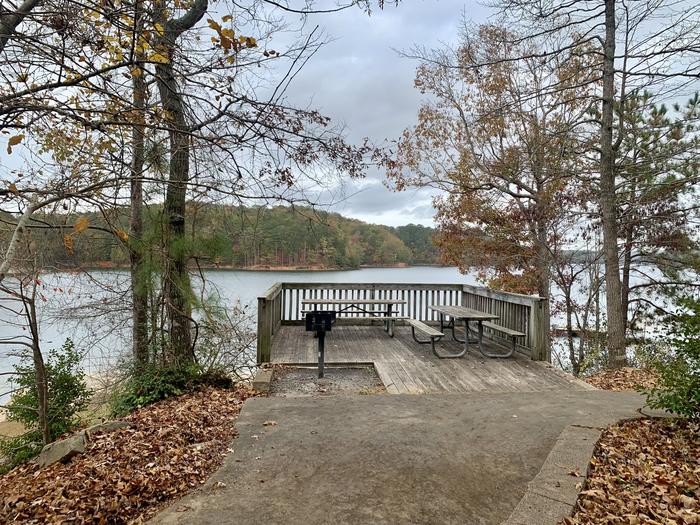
[
  {"x": 442, "y": 459},
  {"x": 566, "y": 465},
  {"x": 553, "y": 492},
  {"x": 535, "y": 509}
]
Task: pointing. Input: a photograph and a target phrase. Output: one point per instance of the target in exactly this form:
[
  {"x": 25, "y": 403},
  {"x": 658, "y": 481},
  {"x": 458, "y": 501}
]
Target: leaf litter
[
  {"x": 127, "y": 475},
  {"x": 643, "y": 471},
  {"x": 623, "y": 379}
]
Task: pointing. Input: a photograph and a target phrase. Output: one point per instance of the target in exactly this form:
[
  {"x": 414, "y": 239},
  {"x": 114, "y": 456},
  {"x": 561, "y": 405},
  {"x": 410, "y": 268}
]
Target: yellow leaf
[
  {"x": 160, "y": 30},
  {"x": 13, "y": 141},
  {"x": 81, "y": 225},
  {"x": 136, "y": 71},
  {"x": 157, "y": 57},
  {"x": 227, "y": 18},
  {"x": 13, "y": 188},
  {"x": 215, "y": 26},
  {"x": 122, "y": 235}
]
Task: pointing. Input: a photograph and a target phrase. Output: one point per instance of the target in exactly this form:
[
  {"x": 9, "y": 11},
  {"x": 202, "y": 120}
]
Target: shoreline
[{"x": 261, "y": 268}]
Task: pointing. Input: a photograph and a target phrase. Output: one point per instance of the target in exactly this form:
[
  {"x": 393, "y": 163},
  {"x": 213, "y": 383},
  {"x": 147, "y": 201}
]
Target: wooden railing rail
[
  {"x": 282, "y": 305},
  {"x": 417, "y": 297},
  {"x": 524, "y": 313},
  {"x": 269, "y": 320}
]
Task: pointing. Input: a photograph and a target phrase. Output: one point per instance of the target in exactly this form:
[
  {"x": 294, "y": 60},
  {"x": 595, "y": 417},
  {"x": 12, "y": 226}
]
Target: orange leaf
[{"x": 81, "y": 225}]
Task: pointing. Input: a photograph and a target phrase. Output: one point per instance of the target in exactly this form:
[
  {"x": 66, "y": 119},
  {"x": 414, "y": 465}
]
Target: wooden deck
[{"x": 406, "y": 367}]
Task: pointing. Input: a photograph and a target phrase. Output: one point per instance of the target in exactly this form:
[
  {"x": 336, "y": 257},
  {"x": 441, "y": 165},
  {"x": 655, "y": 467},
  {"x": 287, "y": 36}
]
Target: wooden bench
[
  {"x": 432, "y": 333},
  {"x": 513, "y": 334}
]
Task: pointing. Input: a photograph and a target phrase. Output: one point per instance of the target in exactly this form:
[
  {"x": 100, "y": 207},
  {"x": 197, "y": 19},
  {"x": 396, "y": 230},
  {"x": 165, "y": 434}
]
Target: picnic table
[
  {"x": 367, "y": 309},
  {"x": 465, "y": 315}
]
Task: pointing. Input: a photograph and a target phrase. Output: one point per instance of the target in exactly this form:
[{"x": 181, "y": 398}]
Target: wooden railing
[
  {"x": 524, "y": 313},
  {"x": 269, "y": 320},
  {"x": 282, "y": 305}
]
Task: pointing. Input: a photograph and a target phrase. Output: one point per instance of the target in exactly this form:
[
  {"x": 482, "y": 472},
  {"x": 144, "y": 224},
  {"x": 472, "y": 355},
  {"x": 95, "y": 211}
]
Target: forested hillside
[{"x": 244, "y": 237}]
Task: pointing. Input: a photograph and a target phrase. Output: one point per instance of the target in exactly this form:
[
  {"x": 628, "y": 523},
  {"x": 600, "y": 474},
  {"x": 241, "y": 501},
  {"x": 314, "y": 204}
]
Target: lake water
[{"x": 92, "y": 309}]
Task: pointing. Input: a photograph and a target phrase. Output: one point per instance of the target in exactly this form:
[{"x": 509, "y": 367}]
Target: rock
[
  {"x": 65, "y": 449},
  {"x": 108, "y": 426},
  {"x": 61, "y": 450},
  {"x": 262, "y": 380}
]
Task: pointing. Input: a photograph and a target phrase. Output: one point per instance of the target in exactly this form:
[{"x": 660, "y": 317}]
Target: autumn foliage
[{"x": 495, "y": 135}]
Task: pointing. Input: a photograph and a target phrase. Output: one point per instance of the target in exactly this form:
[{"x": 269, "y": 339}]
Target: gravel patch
[{"x": 304, "y": 382}]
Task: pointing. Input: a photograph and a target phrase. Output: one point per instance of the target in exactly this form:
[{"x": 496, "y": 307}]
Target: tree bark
[
  {"x": 139, "y": 274},
  {"x": 177, "y": 283},
  {"x": 608, "y": 207},
  {"x": 544, "y": 270},
  {"x": 9, "y": 20},
  {"x": 626, "y": 272},
  {"x": 177, "y": 289},
  {"x": 42, "y": 387}
]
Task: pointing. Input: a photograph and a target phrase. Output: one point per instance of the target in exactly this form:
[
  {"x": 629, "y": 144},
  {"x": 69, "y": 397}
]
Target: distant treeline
[{"x": 241, "y": 237}]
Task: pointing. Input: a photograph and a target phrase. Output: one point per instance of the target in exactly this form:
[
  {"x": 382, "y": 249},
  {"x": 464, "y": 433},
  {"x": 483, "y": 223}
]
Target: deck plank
[{"x": 405, "y": 367}]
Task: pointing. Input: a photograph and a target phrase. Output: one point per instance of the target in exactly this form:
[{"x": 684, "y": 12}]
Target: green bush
[
  {"x": 67, "y": 396},
  {"x": 151, "y": 383},
  {"x": 678, "y": 390}
]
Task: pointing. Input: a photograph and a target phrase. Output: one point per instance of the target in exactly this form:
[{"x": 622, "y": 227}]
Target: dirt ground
[
  {"x": 304, "y": 382},
  {"x": 10, "y": 429}
]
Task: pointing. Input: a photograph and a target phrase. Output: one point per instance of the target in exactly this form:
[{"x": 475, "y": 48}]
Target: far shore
[{"x": 256, "y": 268}]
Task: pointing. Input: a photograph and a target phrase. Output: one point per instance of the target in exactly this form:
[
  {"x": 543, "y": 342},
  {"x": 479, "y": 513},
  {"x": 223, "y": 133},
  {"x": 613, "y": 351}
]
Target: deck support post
[
  {"x": 539, "y": 332},
  {"x": 264, "y": 331}
]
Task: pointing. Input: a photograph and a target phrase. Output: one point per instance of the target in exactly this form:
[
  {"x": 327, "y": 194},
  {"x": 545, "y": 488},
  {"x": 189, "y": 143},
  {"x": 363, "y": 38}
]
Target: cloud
[
  {"x": 360, "y": 80},
  {"x": 371, "y": 201}
]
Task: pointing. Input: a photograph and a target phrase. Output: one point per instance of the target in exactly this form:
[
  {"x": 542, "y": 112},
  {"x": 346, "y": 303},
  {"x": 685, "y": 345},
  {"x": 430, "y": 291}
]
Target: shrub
[
  {"x": 226, "y": 340},
  {"x": 678, "y": 389},
  {"x": 151, "y": 383},
  {"x": 67, "y": 396}
]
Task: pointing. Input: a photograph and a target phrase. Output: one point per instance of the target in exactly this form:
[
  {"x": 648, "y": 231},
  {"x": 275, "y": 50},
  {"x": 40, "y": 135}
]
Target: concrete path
[{"x": 430, "y": 459}]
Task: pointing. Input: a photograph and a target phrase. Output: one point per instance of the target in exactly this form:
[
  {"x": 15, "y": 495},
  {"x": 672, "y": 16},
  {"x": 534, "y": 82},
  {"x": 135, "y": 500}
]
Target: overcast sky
[{"x": 360, "y": 80}]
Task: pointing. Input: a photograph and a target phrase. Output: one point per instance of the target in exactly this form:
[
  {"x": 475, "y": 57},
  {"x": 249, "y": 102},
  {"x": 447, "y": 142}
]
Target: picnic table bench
[
  {"x": 367, "y": 307},
  {"x": 514, "y": 335},
  {"x": 433, "y": 334},
  {"x": 467, "y": 315}
]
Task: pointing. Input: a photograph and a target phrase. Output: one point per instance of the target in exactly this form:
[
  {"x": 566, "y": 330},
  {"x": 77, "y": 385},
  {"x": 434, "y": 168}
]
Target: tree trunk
[
  {"x": 139, "y": 274},
  {"x": 11, "y": 18},
  {"x": 626, "y": 272},
  {"x": 544, "y": 270},
  {"x": 177, "y": 282},
  {"x": 177, "y": 289},
  {"x": 616, "y": 325},
  {"x": 575, "y": 363},
  {"x": 42, "y": 387}
]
